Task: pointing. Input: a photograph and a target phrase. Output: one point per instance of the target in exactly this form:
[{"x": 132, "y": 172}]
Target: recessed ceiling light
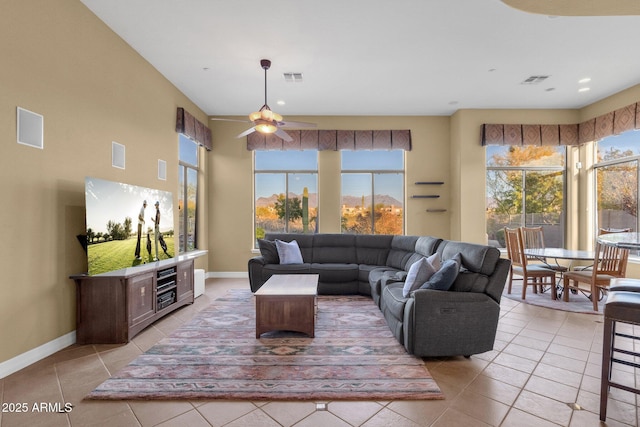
[
  {"x": 584, "y": 89},
  {"x": 550, "y": 89},
  {"x": 453, "y": 102},
  {"x": 280, "y": 102},
  {"x": 585, "y": 80}
]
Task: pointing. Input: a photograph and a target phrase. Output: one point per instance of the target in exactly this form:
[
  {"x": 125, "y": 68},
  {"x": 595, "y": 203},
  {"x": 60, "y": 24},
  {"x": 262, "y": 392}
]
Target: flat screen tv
[{"x": 121, "y": 225}]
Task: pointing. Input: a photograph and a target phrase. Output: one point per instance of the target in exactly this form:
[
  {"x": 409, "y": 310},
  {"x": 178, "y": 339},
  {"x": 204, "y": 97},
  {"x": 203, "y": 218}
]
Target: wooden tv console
[{"x": 113, "y": 307}]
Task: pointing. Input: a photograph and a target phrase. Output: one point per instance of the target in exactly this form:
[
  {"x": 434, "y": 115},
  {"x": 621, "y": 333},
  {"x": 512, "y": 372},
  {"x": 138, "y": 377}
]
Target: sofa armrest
[
  {"x": 445, "y": 323},
  {"x": 255, "y": 266}
]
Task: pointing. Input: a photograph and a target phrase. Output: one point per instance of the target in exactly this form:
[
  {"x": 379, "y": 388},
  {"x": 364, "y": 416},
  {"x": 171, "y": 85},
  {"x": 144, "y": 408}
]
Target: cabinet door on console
[
  {"x": 185, "y": 280},
  {"x": 141, "y": 297}
]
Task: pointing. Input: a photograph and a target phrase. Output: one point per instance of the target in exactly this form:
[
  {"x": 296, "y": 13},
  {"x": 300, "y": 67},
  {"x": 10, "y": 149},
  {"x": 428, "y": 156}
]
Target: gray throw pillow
[
  {"x": 443, "y": 278},
  {"x": 289, "y": 252},
  {"x": 268, "y": 251},
  {"x": 419, "y": 272}
]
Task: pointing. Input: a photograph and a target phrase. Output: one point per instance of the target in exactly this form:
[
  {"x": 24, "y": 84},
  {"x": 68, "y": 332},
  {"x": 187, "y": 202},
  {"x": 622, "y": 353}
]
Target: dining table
[
  {"x": 570, "y": 255},
  {"x": 543, "y": 254},
  {"x": 626, "y": 240}
]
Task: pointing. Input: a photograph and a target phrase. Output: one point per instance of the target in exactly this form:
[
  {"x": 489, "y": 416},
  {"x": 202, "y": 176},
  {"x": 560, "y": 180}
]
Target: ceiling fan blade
[
  {"x": 296, "y": 125},
  {"x": 229, "y": 120},
  {"x": 246, "y": 132},
  {"x": 282, "y": 134}
]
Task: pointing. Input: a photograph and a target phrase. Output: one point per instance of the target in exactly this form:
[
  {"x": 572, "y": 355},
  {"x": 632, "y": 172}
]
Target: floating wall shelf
[
  {"x": 436, "y": 210},
  {"x": 427, "y": 196}
]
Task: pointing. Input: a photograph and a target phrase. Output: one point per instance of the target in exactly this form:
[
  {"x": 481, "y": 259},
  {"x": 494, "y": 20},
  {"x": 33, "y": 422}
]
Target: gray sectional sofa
[{"x": 429, "y": 323}]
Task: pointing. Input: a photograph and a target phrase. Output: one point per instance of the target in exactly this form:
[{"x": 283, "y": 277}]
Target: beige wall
[{"x": 60, "y": 61}]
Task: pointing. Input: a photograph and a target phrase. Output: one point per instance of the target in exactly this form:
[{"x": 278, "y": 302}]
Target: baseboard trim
[
  {"x": 34, "y": 355},
  {"x": 227, "y": 275}
]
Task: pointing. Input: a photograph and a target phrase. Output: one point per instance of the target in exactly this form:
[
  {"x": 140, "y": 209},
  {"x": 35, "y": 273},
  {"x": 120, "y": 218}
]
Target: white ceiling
[{"x": 376, "y": 57}]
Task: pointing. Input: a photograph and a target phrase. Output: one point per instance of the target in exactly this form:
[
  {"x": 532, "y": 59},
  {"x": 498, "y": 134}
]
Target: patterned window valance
[
  {"x": 193, "y": 128},
  {"x": 333, "y": 140},
  {"x": 612, "y": 123}
]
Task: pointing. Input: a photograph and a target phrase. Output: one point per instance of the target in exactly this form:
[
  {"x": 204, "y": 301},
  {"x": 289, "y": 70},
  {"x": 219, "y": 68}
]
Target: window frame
[
  {"x": 614, "y": 162},
  {"x": 524, "y": 169},
  {"x": 372, "y": 174},
  {"x": 286, "y": 173},
  {"x": 183, "y": 176}
]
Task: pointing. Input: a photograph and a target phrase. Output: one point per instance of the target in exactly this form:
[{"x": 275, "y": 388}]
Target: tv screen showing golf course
[{"x": 127, "y": 225}]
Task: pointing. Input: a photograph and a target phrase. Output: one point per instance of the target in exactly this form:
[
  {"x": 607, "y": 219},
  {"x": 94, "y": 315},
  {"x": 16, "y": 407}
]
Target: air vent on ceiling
[
  {"x": 292, "y": 77},
  {"x": 534, "y": 80}
]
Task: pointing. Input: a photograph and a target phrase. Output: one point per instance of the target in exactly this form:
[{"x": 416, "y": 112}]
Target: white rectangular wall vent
[
  {"x": 162, "y": 170},
  {"x": 292, "y": 77},
  {"x": 117, "y": 155},
  {"x": 534, "y": 80},
  {"x": 30, "y": 128}
]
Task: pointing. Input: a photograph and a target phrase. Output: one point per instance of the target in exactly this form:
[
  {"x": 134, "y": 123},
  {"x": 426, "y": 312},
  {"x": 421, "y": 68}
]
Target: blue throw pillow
[
  {"x": 419, "y": 272},
  {"x": 443, "y": 278},
  {"x": 289, "y": 252}
]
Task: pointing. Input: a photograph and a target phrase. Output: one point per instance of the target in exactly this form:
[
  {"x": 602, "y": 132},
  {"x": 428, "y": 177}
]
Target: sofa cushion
[
  {"x": 334, "y": 248},
  {"x": 470, "y": 282},
  {"x": 419, "y": 273},
  {"x": 402, "y": 247},
  {"x": 379, "y": 277},
  {"x": 364, "y": 272},
  {"x": 270, "y": 269},
  {"x": 393, "y": 301},
  {"x": 372, "y": 249},
  {"x": 476, "y": 258},
  {"x": 289, "y": 252},
  {"x": 268, "y": 251},
  {"x": 335, "y": 273},
  {"x": 427, "y": 245},
  {"x": 442, "y": 279}
]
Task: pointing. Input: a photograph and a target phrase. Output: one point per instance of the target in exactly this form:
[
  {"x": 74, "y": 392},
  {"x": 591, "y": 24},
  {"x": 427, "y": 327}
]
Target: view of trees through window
[
  {"x": 372, "y": 192},
  {"x": 525, "y": 187},
  {"x": 286, "y": 192},
  {"x": 187, "y": 192},
  {"x": 617, "y": 181}
]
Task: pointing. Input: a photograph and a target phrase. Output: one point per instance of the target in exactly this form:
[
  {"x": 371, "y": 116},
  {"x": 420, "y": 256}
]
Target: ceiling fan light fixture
[
  {"x": 265, "y": 126},
  {"x": 266, "y": 114},
  {"x": 266, "y": 121}
]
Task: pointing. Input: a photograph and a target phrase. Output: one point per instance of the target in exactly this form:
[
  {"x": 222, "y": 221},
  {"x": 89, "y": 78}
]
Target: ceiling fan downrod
[{"x": 265, "y": 64}]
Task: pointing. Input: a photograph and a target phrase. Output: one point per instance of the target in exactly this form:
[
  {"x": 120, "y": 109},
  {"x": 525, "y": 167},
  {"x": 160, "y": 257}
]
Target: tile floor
[{"x": 544, "y": 362}]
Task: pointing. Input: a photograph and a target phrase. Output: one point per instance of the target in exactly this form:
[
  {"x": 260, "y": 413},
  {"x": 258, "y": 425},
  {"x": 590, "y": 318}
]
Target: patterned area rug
[
  {"x": 578, "y": 302},
  {"x": 353, "y": 356}
]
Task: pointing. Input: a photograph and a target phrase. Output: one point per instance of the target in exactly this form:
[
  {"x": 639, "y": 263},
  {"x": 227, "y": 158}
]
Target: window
[
  {"x": 286, "y": 192},
  {"x": 372, "y": 192},
  {"x": 616, "y": 168},
  {"x": 187, "y": 193},
  {"x": 525, "y": 187}
]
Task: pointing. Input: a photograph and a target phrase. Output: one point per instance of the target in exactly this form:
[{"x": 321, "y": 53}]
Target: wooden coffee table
[{"x": 287, "y": 302}]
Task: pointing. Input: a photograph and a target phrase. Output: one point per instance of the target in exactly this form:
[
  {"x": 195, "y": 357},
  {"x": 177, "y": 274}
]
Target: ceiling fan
[{"x": 265, "y": 120}]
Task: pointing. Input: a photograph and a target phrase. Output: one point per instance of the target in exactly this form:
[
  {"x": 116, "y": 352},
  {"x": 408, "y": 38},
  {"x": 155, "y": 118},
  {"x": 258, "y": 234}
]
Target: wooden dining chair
[
  {"x": 532, "y": 274},
  {"x": 609, "y": 262},
  {"x": 602, "y": 231},
  {"x": 533, "y": 238}
]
